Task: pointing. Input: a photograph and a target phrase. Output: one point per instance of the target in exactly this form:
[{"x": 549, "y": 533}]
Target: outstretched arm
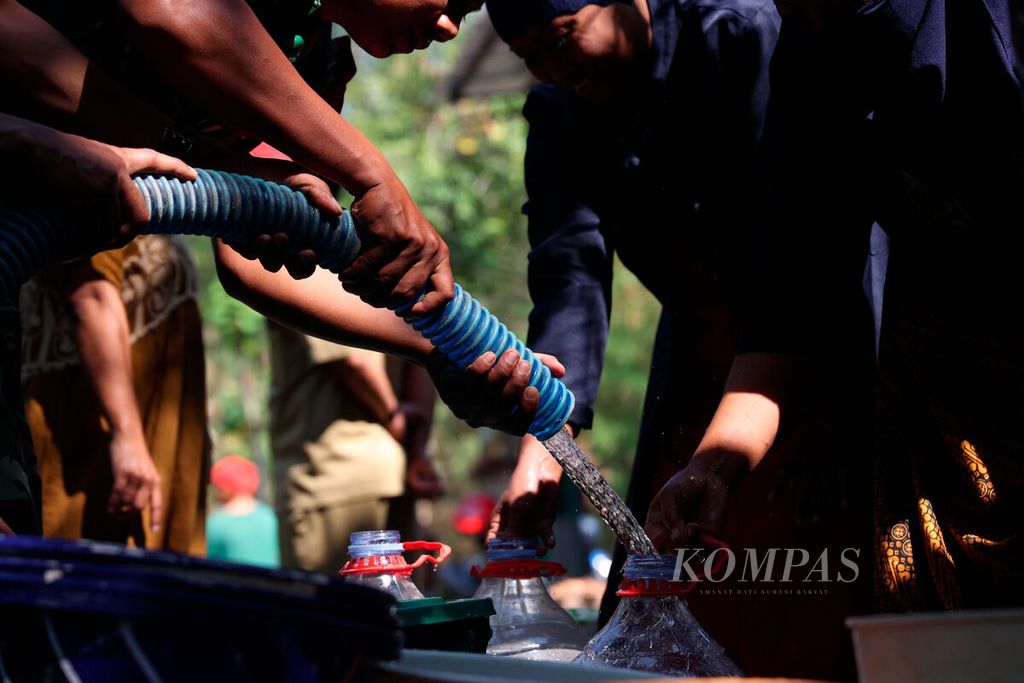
[
  {"x": 48, "y": 79},
  {"x": 570, "y": 274},
  {"x": 484, "y": 394},
  {"x": 85, "y": 181},
  {"x": 744, "y": 427},
  {"x": 318, "y": 306},
  {"x": 242, "y": 76}
]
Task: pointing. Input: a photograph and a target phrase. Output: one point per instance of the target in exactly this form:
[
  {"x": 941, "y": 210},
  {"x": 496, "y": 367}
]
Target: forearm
[
  {"x": 248, "y": 81},
  {"x": 418, "y": 390},
  {"x": 535, "y": 458},
  {"x": 101, "y": 330},
  {"x": 364, "y": 379},
  {"x": 747, "y": 420},
  {"x": 45, "y": 76},
  {"x": 319, "y": 307}
]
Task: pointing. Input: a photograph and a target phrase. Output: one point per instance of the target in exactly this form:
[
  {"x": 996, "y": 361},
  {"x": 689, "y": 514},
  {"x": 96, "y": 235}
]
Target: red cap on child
[{"x": 235, "y": 474}]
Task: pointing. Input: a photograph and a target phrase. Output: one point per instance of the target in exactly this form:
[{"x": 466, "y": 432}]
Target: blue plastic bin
[{"x": 99, "y": 612}]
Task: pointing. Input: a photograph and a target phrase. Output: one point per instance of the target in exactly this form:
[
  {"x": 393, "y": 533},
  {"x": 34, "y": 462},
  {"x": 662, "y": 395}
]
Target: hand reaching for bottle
[
  {"x": 528, "y": 507},
  {"x": 693, "y": 501}
]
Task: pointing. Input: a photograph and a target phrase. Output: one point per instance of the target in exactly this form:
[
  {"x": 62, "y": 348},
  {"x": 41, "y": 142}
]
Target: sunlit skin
[
  {"x": 387, "y": 27},
  {"x": 596, "y": 52}
]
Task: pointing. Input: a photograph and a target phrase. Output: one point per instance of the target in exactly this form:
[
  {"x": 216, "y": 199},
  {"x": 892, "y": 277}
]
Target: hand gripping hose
[{"x": 237, "y": 207}]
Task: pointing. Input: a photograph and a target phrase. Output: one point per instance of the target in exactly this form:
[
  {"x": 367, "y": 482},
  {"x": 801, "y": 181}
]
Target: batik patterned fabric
[
  {"x": 158, "y": 276},
  {"x": 157, "y": 282}
]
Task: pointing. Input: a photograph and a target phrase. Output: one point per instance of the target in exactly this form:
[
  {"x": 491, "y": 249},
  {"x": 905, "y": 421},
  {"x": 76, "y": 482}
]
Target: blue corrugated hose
[{"x": 237, "y": 207}]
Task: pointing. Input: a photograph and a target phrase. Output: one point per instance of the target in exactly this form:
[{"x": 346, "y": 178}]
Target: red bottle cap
[{"x": 518, "y": 569}]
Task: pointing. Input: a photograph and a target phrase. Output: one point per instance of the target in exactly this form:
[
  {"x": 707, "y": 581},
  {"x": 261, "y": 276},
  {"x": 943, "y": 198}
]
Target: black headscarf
[{"x": 513, "y": 17}]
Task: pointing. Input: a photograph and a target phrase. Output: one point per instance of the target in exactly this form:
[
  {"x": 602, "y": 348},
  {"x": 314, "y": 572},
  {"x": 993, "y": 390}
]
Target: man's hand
[
  {"x": 135, "y": 212},
  {"x": 528, "y": 506},
  {"x": 90, "y": 182},
  {"x": 693, "y": 501},
  {"x": 405, "y": 256},
  {"x": 492, "y": 392},
  {"x": 409, "y": 426},
  {"x": 136, "y": 481},
  {"x": 104, "y": 347},
  {"x": 94, "y": 185},
  {"x": 405, "y": 421}
]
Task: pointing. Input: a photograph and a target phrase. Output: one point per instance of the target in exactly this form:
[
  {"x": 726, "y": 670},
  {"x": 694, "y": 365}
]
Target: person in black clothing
[
  {"x": 909, "y": 114},
  {"x": 643, "y": 143},
  {"x": 648, "y": 140}
]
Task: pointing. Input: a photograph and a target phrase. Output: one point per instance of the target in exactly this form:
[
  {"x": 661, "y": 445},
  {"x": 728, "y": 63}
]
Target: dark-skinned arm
[
  {"x": 759, "y": 389},
  {"x": 101, "y": 330},
  {"x": 484, "y": 395},
  {"x": 242, "y": 76},
  {"x": 418, "y": 396},
  {"x": 48, "y": 79}
]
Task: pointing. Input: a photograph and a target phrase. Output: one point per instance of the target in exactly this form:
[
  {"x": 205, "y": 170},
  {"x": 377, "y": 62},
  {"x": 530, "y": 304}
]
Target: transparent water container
[
  {"x": 652, "y": 630},
  {"x": 376, "y": 560},
  {"x": 527, "y": 622}
]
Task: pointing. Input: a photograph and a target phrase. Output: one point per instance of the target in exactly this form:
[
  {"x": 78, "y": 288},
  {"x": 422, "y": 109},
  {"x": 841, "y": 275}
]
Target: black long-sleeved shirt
[
  {"x": 905, "y": 114},
  {"x": 675, "y": 165}
]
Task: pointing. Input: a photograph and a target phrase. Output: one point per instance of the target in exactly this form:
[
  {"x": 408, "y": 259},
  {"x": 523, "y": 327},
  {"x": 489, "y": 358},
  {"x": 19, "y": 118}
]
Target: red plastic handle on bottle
[
  {"x": 443, "y": 551},
  {"x": 373, "y": 564},
  {"x": 517, "y": 569}
]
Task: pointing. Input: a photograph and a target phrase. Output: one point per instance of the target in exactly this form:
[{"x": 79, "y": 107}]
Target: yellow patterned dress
[
  {"x": 157, "y": 281},
  {"x": 950, "y": 455}
]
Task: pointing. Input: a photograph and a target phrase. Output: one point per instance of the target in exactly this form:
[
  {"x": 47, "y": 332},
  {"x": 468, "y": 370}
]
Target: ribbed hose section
[
  {"x": 464, "y": 330},
  {"x": 28, "y": 243},
  {"x": 237, "y": 207}
]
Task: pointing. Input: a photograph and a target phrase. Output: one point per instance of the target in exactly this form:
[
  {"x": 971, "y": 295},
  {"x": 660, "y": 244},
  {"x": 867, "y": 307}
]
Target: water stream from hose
[{"x": 579, "y": 468}]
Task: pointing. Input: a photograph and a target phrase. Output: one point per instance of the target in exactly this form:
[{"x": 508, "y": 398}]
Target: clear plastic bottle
[
  {"x": 527, "y": 622},
  {"x": 652, "y": 630},
  {"x": 376, "y": 560}
]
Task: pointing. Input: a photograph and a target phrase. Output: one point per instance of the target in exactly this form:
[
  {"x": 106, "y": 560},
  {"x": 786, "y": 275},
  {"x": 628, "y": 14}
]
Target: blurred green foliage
[{"x": 462, "y": 163}]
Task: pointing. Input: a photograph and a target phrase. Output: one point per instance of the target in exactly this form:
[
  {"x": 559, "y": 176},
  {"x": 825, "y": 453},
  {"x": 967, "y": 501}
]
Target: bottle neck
[
  {"x": 651, "y": 575},
  {"x": 516, "y": 558},
  {"x": 383, "y": 543},
  {"x": 503, "y": 550}
]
